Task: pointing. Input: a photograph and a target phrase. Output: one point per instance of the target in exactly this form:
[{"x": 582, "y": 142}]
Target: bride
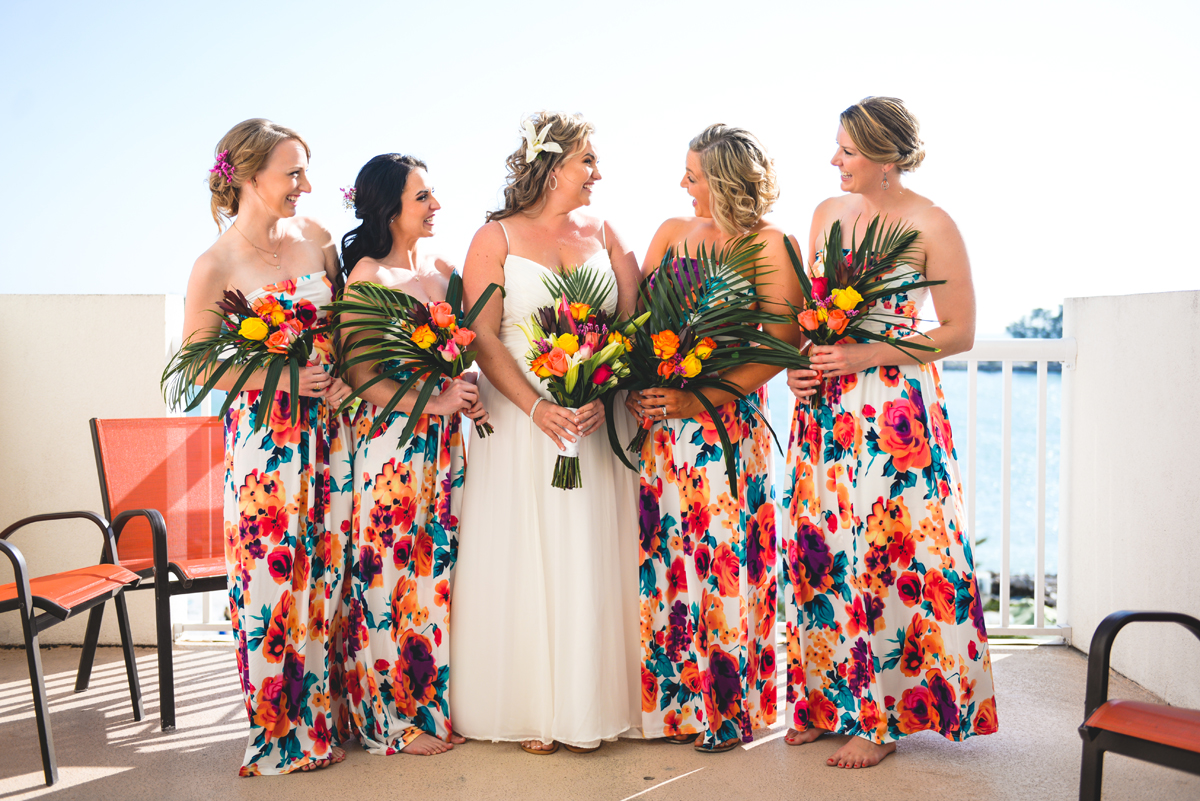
[{"x": 539, "y": 626}]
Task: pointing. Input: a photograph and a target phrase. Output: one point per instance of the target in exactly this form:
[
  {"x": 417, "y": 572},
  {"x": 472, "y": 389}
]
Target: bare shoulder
[
  {"x": 589, "y": 224},
  {"x": 442, "y": 265},
  {"x": 830, "y": 209},
  {"x": 674, "y": 228},
  {"x": 213, "y": 266},
  {"x": 491, "y": 237},
  {"x": 366, "y": 270},
  {"x": 312, "y": 230}
]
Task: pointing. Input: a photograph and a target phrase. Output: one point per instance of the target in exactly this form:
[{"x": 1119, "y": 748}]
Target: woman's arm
[
  {"x": 624, "y": 264},
  {"x": 484, "y": 265}
]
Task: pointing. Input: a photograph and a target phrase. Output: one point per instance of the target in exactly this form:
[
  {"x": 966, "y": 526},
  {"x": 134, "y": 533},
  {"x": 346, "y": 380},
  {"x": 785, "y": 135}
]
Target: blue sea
[{"x": 1023, "y": 491}]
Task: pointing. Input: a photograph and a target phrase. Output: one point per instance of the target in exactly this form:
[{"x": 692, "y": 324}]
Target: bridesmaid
[
  {"x": 708, "y": 562},
  {"x": 283, "y": 511},
  {"x": 406, "y": 498},
  {"x": 885, "y": 633}
]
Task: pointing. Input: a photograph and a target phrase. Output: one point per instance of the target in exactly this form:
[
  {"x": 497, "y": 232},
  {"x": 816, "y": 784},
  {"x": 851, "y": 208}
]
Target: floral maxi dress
[
  {"x": 885, "y": 632},
  {"x": 708, "y": 578},
  {"x": 405, "y": 544},
  {"x": 286, "y": 515}
]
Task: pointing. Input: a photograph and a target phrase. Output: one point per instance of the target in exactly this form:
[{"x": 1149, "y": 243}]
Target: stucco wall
[
  {"x": 63, "y": 360},
  {"x": 1132, "y": 480}
]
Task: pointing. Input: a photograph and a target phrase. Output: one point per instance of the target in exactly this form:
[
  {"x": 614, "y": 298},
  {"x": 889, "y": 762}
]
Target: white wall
[
  {"x": 1132, "y": 481},
  {"x": 65, "y": 359}
]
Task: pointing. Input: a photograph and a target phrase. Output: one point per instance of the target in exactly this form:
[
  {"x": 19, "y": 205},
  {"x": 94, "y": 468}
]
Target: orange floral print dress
[
  {"x": 404, "y": 546},
  {"x": 287, "y": 510},
  {"x": 885, "y": 632},
  {"x": 707, "y": 580}
]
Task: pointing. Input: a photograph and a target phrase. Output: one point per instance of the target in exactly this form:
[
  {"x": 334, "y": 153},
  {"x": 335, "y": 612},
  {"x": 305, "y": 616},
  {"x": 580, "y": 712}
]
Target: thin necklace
[{"x": 264, "y": 250}]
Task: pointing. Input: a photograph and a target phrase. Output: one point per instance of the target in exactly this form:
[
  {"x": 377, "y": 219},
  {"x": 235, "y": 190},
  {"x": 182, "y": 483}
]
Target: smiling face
[
  {"x": 417, "y": 206},
  {"x": 697, "y": 185},
  {"x": 282, "y": 179},
  {"x": 577, "y": 174},
  {"x": 858, "y": 173}
]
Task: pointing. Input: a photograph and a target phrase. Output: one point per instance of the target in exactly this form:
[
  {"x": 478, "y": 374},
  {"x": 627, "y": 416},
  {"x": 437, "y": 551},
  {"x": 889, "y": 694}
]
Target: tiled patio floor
[{"x": 103, "y": 754}]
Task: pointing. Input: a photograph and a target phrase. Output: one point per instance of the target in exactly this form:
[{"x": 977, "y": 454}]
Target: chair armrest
[
  {"x": 21, "y": 573},
  {"x": 21, "y": 570},
  {"x": 158, "y": 534},
  {"x": 1099, "y": 656}
]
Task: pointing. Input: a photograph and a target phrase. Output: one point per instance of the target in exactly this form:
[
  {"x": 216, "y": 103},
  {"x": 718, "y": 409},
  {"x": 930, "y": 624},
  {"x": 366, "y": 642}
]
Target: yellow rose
[
  {"x": 254, "y": 328},
  {"x": 704, "y": 348},
  {"x": 580, "y": 311},
  {"x": 569, "y": 343},
  {"x": 691, "y": 365},
  {"x": 846, "y": 299},
  {"x": 423, "y": 337},
  {"x": 626, "y": 343}
]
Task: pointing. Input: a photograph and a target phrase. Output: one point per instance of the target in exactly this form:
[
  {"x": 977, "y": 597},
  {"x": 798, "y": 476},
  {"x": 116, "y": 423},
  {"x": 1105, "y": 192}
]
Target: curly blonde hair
[
  {"x": 525, "y": 189},
  {"x": 740, "y": 175},
  {"x": 246, "y": 147},
  {"x": 885, "y": 131}
]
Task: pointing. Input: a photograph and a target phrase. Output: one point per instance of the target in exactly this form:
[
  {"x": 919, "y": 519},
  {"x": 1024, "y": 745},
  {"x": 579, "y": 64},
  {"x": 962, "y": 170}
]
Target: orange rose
[
  {"x": 809, "y": 320},
  {"x": 844, "y": 429},
  {"x": 666, "y": 344},
  {"x": 666, "y": 368},
  {"x": 725, "y": 567},
  {"x": 689, "y": 676},
  {"x": 940, "y": 594},
  {"x": 918, "y": 711},
  {"x": 704, "y": 348},
  {"x": 423, "y": 337},
  {"x": 985, "y": 718},
  {"x": 557, "y": 362},
  {"x": 580, "y": 311},
  {"x": 838, "y": 321},
  {"x": 822, "y": 712},
  {"x": 464, "y": 337},
  {"x": 270, "y": 309},
  {"x": 280, "y": 341},
  {"x": 442, "y": 314},
  {"x": 538, "y": 366},
  {"x": 649, "y": 691}
]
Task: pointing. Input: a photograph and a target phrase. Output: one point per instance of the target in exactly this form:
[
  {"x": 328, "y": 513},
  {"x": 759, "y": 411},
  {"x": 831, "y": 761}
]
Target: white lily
[{"x": 536, "y": 142}]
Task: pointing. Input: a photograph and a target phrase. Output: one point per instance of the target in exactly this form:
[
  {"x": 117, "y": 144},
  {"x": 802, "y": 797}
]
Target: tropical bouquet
[
  {"x": 271, "y": 333},
  {"x": 704, "y": 317},
  {"x": 578, "y": 351},
  {"x": 408, "y": 342},
  {"x": 840, "y": 298}
]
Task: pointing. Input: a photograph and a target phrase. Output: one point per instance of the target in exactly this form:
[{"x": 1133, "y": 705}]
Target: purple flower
[
  {"x": 724, "y": 682},
  {"x": 862, "y": 667},
  {"x": 678, "y": 631}
]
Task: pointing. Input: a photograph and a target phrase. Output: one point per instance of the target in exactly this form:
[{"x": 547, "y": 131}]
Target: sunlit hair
[
  {"x": 525, "y": 190},
  {"x": 246, "y": 146},
  {"x": 378, "y": 191},
  {"x": 740, "y": 175},
  {"x": 885, "y": 131}
]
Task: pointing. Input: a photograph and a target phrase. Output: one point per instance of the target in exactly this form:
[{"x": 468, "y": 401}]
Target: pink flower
[
  {"x": 602, "y": 374},
  {"x": 450, "y": 350}
]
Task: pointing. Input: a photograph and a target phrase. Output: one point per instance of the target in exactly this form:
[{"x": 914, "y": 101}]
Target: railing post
[
  {"x": 1005, "y": 491},
  {"x": 1039, "y": 578}
]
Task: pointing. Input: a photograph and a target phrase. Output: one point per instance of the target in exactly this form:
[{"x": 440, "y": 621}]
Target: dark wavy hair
[{"x": 378, "y": 190}]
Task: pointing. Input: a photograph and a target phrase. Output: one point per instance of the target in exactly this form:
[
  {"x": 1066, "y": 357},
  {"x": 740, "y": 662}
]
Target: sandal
[
  {"x": 574, "y": 749},
  {"x": 683, "y": 739},
  {"x": 541, "y": 751},
  {"x": 720, "y": 748}
]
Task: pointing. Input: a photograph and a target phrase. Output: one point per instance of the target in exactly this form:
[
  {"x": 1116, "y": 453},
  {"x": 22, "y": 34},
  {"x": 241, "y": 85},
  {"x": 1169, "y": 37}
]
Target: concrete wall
[
  {"x": 1131, "y": 483},
  {"x": 65, "y": 359}
]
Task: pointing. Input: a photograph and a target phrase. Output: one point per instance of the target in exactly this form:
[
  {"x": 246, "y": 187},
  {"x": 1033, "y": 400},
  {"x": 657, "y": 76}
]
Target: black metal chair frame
[
  {"x": 1097, "y": 741},
  {"x": 164, "y": 590},
  {"x": 33, "y": 623}
]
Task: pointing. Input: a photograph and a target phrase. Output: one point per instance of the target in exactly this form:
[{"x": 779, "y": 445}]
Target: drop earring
[{"x": 886, "y": 184}]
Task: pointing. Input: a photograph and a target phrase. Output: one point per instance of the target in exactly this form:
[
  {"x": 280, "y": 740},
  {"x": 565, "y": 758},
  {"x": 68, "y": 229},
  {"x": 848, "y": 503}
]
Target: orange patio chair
[
  {"x": 60, "y": 596},
  {"x": 1164, "y": 735},
  {"x": 161, "y": 479}
]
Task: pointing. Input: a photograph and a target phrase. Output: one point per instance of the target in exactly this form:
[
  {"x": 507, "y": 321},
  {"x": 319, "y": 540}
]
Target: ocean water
[{"x": 1023, "y": 491}]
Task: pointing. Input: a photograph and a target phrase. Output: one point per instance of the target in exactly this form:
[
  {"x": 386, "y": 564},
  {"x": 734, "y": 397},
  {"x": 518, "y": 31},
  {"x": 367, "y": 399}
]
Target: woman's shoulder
[
  {"x": 215, "y": 265},
  {"x": 440, "y": 264},
  {"x": 313, "y": 230},
  {"x": 368, "y": 270}
]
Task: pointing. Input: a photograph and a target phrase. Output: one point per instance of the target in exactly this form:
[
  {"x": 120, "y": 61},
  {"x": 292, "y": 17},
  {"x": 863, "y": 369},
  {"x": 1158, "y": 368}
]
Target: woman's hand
[
  {"x": 803, "y": 383},
  {"x": 556, "y": 423},
  {"x": 458, "y": 397},
  {"x": 315, "y": 382},
  {"x": 835, "y": 360},
  {"x": 336, "y": 394},
  {"x": 477, "y": 414},
  {"x": 662, "y": 403},
  {"x": 590, "y": 417}
]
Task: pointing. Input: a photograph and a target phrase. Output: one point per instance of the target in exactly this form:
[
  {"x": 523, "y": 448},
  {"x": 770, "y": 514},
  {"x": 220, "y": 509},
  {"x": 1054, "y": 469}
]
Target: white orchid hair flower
[{"x": 536, "y": 142}]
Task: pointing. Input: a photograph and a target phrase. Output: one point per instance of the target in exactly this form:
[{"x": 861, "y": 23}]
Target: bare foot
[
  {"x": 426, "y": 745},
  {"x": 859, "y": 752},
  {"x": 539, "y": 746},
  {"x": 812, "y": 733},
  {"x": 457, "y": 738},
  {"x": 336, "y": 755}
]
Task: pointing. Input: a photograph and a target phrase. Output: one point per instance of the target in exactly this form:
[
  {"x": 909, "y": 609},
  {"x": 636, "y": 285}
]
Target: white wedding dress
[{"x": 545, "y": 639}]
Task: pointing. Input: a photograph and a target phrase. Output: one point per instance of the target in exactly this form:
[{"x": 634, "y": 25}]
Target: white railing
[{"x": 1007, "y": 351}]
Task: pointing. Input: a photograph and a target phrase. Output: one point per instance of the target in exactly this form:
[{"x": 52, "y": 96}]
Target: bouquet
[
  {"x": 408, "y": 341},
  {"x": 272, "y": 333},
  {"x": 704, "y": 318},
  {"x": 840, "y": 300},
  {"x": 577, "y": 351}
]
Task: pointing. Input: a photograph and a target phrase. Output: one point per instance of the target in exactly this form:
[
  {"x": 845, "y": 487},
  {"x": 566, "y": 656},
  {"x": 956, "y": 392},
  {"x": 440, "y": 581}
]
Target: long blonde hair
[
  {"x": 525, "y": 189},
  {"x": 885, "y": 131},
  {"x": 246, "y": 147},
  {"x": 740, "y": 175}
]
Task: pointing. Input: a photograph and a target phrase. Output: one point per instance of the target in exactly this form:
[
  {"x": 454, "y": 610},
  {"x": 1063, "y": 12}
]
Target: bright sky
[{"x": 1058, "y": 135}]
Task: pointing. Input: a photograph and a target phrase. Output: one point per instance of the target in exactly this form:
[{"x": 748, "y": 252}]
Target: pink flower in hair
[{"x": 224, "y": 167}]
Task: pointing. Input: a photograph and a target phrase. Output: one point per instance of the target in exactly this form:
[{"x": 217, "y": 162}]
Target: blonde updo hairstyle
[
  {"x": 740, "y": 175},
  {"x": 246, "y": 146},
  {"x": 885, "y": 131},
  {"x": 525, "y": 190}
]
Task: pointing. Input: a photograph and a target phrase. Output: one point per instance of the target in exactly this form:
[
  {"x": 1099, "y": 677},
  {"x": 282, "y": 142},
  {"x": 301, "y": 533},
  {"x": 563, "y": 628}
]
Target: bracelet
[{"x": 534, "y": 406}]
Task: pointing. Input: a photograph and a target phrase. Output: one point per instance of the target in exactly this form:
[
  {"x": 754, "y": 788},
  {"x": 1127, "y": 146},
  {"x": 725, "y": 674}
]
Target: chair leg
[
  {"x": 135, "y": 688},
  {"x": 40, "y": 706},
  {"x": 166, "y": 666},
  {"x": 1091, "y": 773},
  {"x": 88, "y": 657}
]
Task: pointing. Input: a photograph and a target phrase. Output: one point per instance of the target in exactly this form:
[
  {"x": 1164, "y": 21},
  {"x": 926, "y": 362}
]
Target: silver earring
[
  {"x": 886, "y": 184},
  {"x": 553, "y": 182}
]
